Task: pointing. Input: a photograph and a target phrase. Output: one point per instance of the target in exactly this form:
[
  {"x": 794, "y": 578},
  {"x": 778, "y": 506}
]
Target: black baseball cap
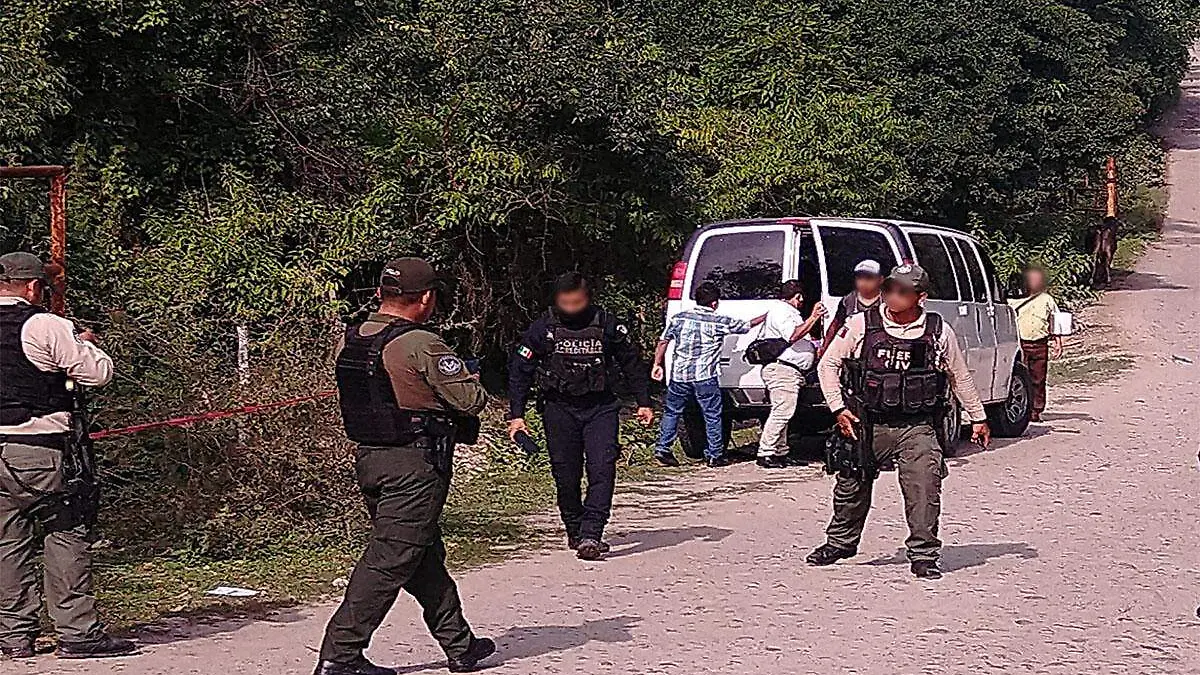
[
  {"x": 410, "y": 275},
  {"x": 21, "y": 266}
]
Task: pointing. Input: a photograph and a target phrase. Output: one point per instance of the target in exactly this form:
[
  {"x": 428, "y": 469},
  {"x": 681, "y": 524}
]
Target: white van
[{"x": 749, "y": 259}]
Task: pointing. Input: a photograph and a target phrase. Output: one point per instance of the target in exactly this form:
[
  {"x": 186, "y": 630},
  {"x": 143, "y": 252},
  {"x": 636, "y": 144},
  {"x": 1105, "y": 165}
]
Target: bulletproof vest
[
  {"x": 851, "y": 305},
  {"x": 27, "y": 392},
  {"x": 902, "y": 377},
  {"x": 369, "y": 410},
  {"x": 576, "y": 364}
]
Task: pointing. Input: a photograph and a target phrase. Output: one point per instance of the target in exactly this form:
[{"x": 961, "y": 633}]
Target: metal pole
[
  {"x": 1110, "y": 182},
  {"x": 58, "y": 242}
]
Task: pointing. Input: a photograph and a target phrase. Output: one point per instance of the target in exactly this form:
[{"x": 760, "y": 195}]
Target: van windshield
[{"x": 744, "y": 265}]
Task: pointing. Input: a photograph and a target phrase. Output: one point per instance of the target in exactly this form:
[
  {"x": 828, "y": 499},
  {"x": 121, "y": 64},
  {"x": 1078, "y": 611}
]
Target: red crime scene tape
[{"x": 189, "y": 420}]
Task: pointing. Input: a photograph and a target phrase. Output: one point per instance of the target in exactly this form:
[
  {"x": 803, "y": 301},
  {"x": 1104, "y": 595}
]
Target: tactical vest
[
  {"x": 902, "y": 377},
  {"x": 368, "y": 402},
  {"x": 26, "y": 392},
  {"x": 576, "y": 364},
  {"x": 851, "y": 305}
]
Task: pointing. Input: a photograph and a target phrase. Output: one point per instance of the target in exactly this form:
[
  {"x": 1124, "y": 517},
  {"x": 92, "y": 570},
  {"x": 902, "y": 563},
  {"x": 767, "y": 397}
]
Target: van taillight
[{"x": 678, "y": 274}]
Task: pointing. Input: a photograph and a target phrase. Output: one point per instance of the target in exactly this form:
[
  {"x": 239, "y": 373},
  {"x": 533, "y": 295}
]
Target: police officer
[
  {"x": 909, "y": 359},
  {"x": 406, "y": 398},
  {"x": 576, "y": 351},
  {"x": 868, "y": 280},
  {"x": 40, "y": 354}
]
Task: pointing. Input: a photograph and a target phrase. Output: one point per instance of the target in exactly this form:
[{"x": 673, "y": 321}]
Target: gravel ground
[{"x": 1069, "y": 551}]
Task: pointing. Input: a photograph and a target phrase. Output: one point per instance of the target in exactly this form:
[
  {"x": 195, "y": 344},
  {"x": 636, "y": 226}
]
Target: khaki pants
[
  {"x": 783, "y": 384},
  {"x": 920, "y": 467},
  {"x": 27, "y": 474}
]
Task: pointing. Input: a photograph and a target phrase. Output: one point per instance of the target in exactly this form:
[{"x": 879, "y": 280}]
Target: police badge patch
[
  {"x": 622, "y": 329},
  {"x": 449, "y": 365}
]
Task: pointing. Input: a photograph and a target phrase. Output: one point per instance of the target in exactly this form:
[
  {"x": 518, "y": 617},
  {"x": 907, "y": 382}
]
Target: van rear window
[
  {"x": 846, "y": 247},
  {"x": 744, "y": 265}
]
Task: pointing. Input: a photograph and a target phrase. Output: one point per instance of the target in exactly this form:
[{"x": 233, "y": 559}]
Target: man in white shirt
[
  {"x": 785, "y": 376},
  {"x": 39, "y": 354}
]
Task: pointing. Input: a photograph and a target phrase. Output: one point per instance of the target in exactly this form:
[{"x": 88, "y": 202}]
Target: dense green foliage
[{"x": 254, "y": 163}]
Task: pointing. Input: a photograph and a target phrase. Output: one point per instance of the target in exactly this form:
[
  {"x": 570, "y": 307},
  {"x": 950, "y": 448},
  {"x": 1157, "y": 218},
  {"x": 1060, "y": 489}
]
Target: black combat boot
[
  {"x": 926, "y": 569},
  {"x": 574, "y": 542},
  {"x": 480, "y": 649},
  {"x": 589, "y": 549},
  {"x": 360, "y": 667},
  {"x": 827, "y": 554},
  {"x": 101, "y": 647},
  {"x": 20, "y": 651},
  {"x": 717, "y": 462}
]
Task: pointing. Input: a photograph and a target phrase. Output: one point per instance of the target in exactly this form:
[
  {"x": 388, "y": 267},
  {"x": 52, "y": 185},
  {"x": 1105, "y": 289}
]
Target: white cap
[{"x": 868, "y": 267}]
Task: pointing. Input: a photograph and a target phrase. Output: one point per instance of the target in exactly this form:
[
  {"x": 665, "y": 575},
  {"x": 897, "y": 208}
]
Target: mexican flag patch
[{"x": 524, "y": 352}]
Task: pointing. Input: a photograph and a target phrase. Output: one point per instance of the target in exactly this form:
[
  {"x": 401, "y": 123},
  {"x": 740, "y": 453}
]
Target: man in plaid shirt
[{"x": 698, "y": 334}]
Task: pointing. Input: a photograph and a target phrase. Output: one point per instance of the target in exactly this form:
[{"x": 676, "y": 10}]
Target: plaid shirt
[{"x": 698, "y": 334}]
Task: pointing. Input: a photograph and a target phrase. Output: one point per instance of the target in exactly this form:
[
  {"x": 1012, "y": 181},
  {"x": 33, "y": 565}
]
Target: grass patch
[
  {"x": 487, "y": 519},
  {"x": 1089, "y": 369}
]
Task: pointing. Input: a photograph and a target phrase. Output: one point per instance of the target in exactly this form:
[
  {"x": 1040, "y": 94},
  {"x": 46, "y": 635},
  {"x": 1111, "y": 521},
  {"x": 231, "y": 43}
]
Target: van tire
[
  {"x": 1010, "y": 418},
  {"x": 693, "y": 437}
]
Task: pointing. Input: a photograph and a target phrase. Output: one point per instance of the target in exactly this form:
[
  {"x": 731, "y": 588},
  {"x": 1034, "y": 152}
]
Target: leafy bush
[{"x": 252, "y": 165}]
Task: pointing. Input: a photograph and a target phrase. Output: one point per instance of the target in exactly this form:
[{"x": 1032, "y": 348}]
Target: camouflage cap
[
  {"x": 909, "y": 275},
  {"x": 410, "y": 275},
  {"x": 21, "y": 266}
]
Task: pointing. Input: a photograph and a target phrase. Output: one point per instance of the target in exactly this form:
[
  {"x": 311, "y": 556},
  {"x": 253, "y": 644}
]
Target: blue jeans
[{"x": 707, "y": 393}]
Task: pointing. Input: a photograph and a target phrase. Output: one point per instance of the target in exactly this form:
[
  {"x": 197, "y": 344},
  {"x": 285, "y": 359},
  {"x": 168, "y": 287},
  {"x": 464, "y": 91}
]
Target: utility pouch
[{"x": 466, "y": 430}]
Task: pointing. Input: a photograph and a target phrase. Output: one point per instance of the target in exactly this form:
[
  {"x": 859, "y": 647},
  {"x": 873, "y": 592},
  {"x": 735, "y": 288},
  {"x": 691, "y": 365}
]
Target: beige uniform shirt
[
  {"x": 426, "y": 374},
  {"x": 1035, "y": 316},
  {"x": 49, "y": 342},
  {"x": 848, "y": 344}
]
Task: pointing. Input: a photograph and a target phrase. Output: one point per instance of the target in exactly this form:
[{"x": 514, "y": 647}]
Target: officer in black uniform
[
  {"x": 576, "y": 352},
  {"x": 406, "y": 399}
]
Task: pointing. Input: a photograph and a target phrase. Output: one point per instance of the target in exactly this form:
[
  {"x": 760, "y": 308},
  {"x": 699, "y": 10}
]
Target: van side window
[
  {"x": 845, "y": 248},
  {"x": 744, "y": 265},
  {"x": 960, "y": 268},
  {"x": 932, "y": 256},
  {"x": 978, "y": 286},
  {"x": 989, "y": 269}
]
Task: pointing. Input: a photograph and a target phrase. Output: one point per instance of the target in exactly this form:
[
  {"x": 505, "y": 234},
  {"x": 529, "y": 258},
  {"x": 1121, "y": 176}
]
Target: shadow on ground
[
  {"x": 528, "y": 642},
  {"x": 650, "y": 540},
  {"x": 963, "y": 556},
  {"x": 207, "y": 621}
]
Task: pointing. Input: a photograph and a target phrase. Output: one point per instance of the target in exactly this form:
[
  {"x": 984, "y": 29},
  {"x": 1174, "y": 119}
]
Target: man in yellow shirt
[{"x": 1035, "y": 323}]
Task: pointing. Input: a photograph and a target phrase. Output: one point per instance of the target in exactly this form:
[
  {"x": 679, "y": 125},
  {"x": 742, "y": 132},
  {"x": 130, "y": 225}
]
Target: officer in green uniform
[
  {"x": 42, "y": 357},
  {"x": 406, "y": 399},
  {"x": 907, "y": 362}
]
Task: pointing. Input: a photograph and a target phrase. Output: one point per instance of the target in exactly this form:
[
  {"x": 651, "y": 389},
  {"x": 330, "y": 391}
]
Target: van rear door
[
  {"x": 747, "y": 262},
  {"x": 843, "y": 244}
]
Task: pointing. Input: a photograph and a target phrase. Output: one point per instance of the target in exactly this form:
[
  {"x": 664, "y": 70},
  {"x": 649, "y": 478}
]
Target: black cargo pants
[
  {"x": 405, "y": 490},
  {"x": 582, "y": 436}
]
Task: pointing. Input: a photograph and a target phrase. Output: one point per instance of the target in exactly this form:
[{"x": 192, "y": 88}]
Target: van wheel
[
  {"x": 1010, "y": 418},
  {"x": 950, "y": 431},
  {"x": 693, "y": 437}
]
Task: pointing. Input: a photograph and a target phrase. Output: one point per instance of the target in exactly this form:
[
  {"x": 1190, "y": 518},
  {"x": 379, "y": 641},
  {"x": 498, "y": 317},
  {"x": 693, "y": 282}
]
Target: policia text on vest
[
  {"x": 406, "y": 400},
  {"x": 576, "y": 359},
  {"x": 888, "y": 375}
]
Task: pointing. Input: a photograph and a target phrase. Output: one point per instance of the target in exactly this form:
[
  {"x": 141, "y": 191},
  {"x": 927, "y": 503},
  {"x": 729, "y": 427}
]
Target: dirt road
[{"x": 1071, "y": 551}]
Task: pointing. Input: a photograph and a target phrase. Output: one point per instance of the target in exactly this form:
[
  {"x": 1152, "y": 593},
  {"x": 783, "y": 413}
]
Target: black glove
[{"x": 527, "y": 444}]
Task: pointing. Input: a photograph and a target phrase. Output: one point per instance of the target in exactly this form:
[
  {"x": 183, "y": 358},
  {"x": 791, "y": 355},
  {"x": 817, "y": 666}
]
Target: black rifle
[
  {"x": 81, "y": 484},
  {"x": 849, "y": 457}
]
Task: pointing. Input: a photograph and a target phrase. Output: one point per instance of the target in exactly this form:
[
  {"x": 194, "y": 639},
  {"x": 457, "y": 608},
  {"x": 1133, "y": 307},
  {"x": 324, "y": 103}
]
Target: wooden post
[{"x": 1110, "y": 183}]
